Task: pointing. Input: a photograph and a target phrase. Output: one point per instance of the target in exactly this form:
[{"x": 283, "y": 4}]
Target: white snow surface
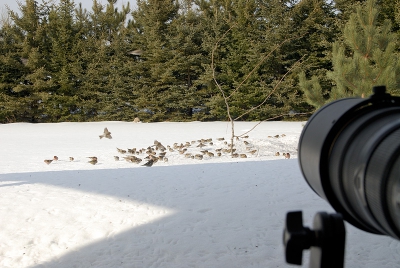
[{"x": 215, "y": 212}]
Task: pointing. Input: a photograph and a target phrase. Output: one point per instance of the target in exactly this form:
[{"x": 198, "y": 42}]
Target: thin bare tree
[{"x": 237, "y": 89}]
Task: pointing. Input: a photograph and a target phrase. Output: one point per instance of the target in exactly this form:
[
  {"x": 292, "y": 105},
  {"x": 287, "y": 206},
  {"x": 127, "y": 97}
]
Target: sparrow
[
  {"x": 106, "y": 134},
  {"x": 92, "y": 158},
  {"x": 116, "y": 158},
  {"x": 71, "y": 158},
  {"x": 198, "y": 156},
  {"x": 148, "y": 163},
  {"x": 243, "y": 156},
  {"x": 287, "y": 155},
  {"x": 277, "y": 154},
  {"x": 283, "y": 135},
  {"x": 121, "y": 151},
  {"x": 276, "y": 136},
  {"x": 93, "y": 161},
  {"x": 48, "y": 161},
  {"x": 220, "y": 139},
  {"x": 210, "y": 154},
  {"x": 55, "y": 158}
]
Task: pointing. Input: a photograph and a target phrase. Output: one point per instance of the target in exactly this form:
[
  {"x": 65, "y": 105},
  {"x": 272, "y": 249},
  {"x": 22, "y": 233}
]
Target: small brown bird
[
  {"x": 71, "y": 158},
  {"x": 243, "y": 155},
  {"x": 253, "y": 151},
  {"x": 120, "y": 150},
  {"x": 287, "y": 155},
  {"x": 48, "y": 161},
  {"x": 93, "y": 161},
  {"x": 92, "y": 157},
  {"x": 198, "y": 156},
  {"x": 55, "y": 158},
  {"x": 149, "y": 163},
  {"x": 106, "y": 134},
  {"x": 277, "y": 154},
  {"x": 116, "y": 158},
  {"x": 276, "y": 136}
]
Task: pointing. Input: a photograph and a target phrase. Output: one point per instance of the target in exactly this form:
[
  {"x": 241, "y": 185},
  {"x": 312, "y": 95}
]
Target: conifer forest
[{"x": 187, "y": 60}]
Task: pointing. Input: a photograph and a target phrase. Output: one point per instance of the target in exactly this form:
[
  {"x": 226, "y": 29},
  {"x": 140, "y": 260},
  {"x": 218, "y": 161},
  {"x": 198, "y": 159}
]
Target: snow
[{"x": 215, "y": 212}]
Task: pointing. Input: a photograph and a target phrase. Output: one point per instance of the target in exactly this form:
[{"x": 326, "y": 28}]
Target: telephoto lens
[{"x": 349, "y": 154}]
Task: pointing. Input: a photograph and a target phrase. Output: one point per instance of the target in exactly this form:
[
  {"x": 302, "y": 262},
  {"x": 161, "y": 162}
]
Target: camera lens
[{"x": 349, "y": 153}]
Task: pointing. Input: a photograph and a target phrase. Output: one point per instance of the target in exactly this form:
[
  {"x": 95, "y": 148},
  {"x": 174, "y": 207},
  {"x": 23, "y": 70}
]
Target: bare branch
[
  {"x": 272, "y": 92},
  {"x": 259, "y": 63},
  {"x": 272, "y": 118}
]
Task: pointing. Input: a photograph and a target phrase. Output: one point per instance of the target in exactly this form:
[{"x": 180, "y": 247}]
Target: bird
[
  {"x": 48, "y": 161},
  {"x": 277, "y": 154},
  {"x": 287, "y": 155},
  {"x": 121, "y": 151},
  {"x": 116, "y": 158},
  {"x": 93, "y": 161},
  {"x": 106, "y": 134},
  {"x": 149, "y": 163},
  {"x": 92, "y": 158},
  {"x": 71, "y": 158},
  {"x": 253, "y": 151},
  {"x": 55, "y": 158},
  {"x": 136, "y": 52}
]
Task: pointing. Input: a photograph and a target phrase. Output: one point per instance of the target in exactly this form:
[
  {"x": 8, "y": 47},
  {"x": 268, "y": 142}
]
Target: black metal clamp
[{"x": 327, "y": 240}]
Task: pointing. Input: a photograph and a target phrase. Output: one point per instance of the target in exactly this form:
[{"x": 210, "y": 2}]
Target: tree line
[{"x": 169, "y": 60}]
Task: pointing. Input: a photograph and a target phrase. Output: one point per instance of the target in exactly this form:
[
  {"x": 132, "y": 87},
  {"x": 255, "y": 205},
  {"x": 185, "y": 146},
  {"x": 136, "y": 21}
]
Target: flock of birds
[{"x": 157, "y": 152}]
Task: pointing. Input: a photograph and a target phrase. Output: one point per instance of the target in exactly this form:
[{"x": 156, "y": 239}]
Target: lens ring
[{"x": 377, "y": 179}]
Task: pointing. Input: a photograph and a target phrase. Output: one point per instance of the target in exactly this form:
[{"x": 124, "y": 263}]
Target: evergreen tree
[
  {"x": 32, "y": 91},
  {"x": 155, "y": 76},
  {"x": 369, "y": 58}
]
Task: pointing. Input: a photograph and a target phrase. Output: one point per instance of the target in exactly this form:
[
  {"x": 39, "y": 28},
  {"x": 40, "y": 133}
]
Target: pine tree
[
  {"x": 33, "y": 88},
  {"x": 368, "y": 58},
  {"x": 154, "y": 76}
]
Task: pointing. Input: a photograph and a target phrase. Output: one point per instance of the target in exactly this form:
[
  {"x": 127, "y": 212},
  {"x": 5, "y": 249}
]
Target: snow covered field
[{"x": 215, "y": 212}]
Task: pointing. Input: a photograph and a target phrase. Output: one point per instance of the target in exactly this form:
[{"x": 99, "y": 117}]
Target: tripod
[{"x": 327, "y": 240}]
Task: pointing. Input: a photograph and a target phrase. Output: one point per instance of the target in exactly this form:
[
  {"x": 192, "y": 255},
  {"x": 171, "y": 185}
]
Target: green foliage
[
  {"x": 176, "y": 60},
  {"x": 367, "y": 58}
]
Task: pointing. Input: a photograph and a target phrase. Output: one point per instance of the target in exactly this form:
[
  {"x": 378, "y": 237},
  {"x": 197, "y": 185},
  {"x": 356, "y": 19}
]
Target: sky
[{"x": 215, "y": 212}]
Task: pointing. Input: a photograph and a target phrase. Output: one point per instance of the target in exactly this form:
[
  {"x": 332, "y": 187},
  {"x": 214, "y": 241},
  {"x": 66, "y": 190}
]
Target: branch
[
  {"x": 213, "y": 72},
  {"x": 272, "y": 118},
  {"x": 272, "y": 92},
  {"x": 259, "y": 63}
]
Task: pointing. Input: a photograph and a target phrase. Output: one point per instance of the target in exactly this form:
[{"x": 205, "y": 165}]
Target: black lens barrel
[{"x": 349, "y": 153}]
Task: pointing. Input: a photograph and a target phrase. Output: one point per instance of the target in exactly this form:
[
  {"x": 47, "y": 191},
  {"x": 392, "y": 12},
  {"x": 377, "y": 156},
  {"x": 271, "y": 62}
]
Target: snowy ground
[{"x": 215, "y": 212}]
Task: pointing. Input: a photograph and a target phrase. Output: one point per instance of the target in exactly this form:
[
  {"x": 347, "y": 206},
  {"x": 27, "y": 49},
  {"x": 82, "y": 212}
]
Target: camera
[{"x": 349, "y": 154}]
